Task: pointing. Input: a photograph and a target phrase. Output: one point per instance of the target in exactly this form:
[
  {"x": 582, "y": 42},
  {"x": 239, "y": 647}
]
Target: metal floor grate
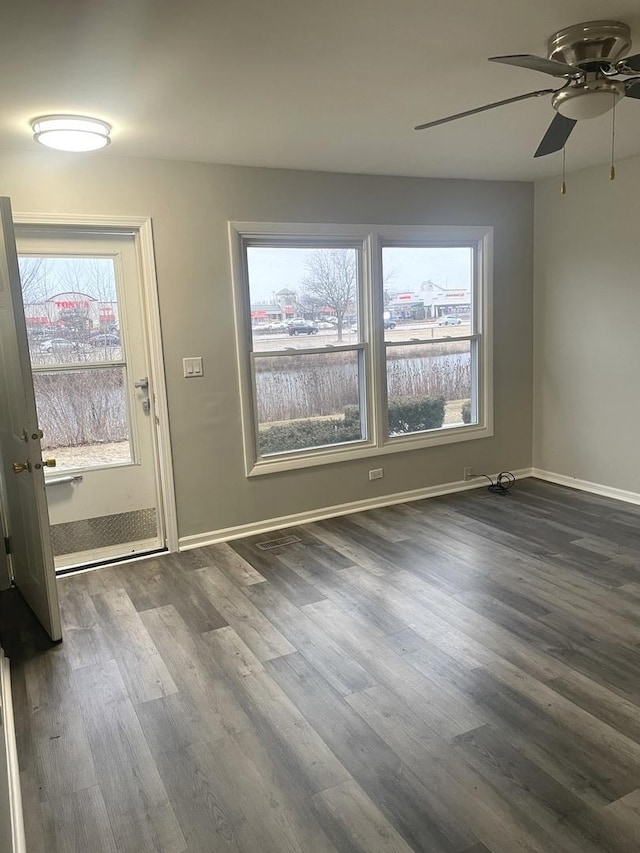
[{"x": 268, "y": 544}]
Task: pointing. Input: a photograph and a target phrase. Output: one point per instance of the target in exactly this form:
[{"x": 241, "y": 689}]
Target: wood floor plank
[
  {"x": 294, "y": 588},
  {"x": 603, "y": 703},
  {"x": 550, "y": 743},
  {"x": 217, "y": 712},
  {"x": 343, "y": 672},
  {"x": 78, "y": 822},
  {"x": 350, "y": 547},
  {"x": 85, "y": 639},
  {"x": 58, "y": 733},
  {"x": 353, "y": 822},
  {"x": 136, "y": 801},
  {"x": 263, "y": 638},
  {"x": 423, "y": 602},
  {"x": 157, "y": 583},
  {"x": 369, "y": 609},
  {"x": 140, "y": 664},
  {"x": 575, "y": 825},
  {"x": 448, "y": 780},
  {"x": 278, "y": 722},
  {"x": 210, "y": 703},
  {"x": 238, "y": 570},
  {"x": 445, "y": 711},
  {"x": 401, "y": 796},
  {"x": 209, "y": 818}
]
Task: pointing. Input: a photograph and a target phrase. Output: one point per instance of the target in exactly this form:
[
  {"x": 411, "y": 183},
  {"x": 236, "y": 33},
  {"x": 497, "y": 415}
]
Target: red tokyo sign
[{"x": 68, "y": 303}]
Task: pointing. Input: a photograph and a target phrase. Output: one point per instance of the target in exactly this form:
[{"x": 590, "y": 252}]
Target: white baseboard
[
  {"x": 586, "y": 486},
  {"x": 8, "y": 733},
  {"x": 256, "y": 527}
]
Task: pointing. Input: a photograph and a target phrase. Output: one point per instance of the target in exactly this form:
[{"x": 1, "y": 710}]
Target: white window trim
[{"x": 371, "y": 237}]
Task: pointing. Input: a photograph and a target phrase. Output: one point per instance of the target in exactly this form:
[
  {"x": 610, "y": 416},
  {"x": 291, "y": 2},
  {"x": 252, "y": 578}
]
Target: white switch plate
[
  {"x": 376, "y": 474},
  {"x": 192, "y": 367}
]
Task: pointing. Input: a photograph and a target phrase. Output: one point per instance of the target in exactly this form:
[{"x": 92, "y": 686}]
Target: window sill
[{"x": 365, "y": 450}]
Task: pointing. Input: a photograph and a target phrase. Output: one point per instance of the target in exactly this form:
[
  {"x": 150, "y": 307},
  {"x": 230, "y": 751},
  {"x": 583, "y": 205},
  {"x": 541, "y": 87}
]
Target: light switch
[{"x": 192, "y": 367}]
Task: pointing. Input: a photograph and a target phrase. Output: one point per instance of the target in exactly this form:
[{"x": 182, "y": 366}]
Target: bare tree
[
  {"x": 33, "y": 279},
  {"x": 331, "y": 280},
  {"x": 86, "y": 277},
  {"x": 93, "y": 276}
]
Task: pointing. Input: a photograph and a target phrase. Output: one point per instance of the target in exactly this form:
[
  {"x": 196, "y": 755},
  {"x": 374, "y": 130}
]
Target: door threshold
[{"x": 109, "y": 561}]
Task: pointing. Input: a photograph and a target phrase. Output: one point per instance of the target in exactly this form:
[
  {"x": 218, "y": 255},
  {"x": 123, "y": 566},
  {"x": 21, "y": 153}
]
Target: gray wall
[
  {"x": 587, "y": 311},
  {"x": 190, "y": 205}
]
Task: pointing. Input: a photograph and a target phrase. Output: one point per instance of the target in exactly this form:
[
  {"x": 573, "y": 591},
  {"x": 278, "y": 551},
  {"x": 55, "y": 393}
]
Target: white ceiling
[{"x": 333, "y": 85}]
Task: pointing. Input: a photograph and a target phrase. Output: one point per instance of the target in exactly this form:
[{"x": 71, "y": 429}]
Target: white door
[
  {"x": 83, "y": 304},
  {"x": 22, "y": 487}
]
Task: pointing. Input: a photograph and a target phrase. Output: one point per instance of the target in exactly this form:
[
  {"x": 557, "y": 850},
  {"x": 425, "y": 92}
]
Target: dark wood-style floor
[{"x": 458, "y": 674}]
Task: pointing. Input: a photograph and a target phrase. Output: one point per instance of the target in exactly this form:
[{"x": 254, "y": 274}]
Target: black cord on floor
[{"x": 504, "y": 481}]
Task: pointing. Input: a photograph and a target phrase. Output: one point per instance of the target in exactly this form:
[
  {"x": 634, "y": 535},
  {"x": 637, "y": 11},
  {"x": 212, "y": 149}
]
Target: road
[{"x": 266, "y": 341}]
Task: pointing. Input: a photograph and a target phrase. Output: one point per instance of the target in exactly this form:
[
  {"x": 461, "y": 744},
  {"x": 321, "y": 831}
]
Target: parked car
[
  {"x": 106, "y": 340},
  {"x": 449, "y": 321},
  {"x": 325, "y": 324},
  {"x": 302, "y": 327},
  {"x": 58, "y": 345},
  {"x": 276, "y": 326},
  {"x": 389, "y": 324}
]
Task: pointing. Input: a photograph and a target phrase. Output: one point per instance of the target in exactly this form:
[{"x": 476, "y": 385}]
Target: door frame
[{"x": 142, "y": 229}]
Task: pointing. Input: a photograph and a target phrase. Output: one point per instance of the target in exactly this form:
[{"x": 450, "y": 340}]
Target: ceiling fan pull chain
[
  {"x": 563, "y": 185},
  {"x": 612, "y": 170}
]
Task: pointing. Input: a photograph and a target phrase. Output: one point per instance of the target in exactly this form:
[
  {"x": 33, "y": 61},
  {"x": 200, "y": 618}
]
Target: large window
[{"x": 355, "y": 341}]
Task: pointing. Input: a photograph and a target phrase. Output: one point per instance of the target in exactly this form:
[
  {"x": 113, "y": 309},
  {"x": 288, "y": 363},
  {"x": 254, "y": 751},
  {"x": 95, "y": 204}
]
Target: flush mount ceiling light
[{"x": 71, "y": 133}]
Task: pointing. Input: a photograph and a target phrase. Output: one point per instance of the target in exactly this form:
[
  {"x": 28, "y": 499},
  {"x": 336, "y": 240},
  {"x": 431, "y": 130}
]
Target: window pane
[
  {"x": 306, "y": 401},
  {"x": 428, "y": 291},
  {"x": 429, "y": 386},
  {"x": 83, "y": 415},
  {"x": 71, "y": 309},
  {"x": 302, "y": 297}
]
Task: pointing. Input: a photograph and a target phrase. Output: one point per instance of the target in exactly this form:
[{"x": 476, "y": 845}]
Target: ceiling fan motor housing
[{"x": 590, "y": 45}]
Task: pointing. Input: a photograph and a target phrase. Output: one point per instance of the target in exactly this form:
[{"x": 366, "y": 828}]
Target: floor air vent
[{"x": 268, "y": 544}]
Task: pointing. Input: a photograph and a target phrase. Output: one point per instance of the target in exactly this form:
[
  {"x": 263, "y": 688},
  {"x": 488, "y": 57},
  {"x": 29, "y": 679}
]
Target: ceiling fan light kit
[
  {"x": 591, "y": 57},
  {"x": 589, "y": 100}
]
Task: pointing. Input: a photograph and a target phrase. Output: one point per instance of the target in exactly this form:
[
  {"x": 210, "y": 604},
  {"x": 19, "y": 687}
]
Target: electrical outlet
[
  {"x": 467, "y": 472},
  {"x": 376, "y": 474}
]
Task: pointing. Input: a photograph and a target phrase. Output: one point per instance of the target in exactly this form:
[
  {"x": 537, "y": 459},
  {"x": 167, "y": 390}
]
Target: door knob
[
  {"x": 142, "y": 383},
  {"x": 19, "y": 467}
]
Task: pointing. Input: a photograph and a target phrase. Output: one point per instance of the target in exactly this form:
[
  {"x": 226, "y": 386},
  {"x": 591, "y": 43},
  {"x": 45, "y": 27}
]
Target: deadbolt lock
[
  {"x": 46, "y": 463},
  {"x": 19, "y": 467}
]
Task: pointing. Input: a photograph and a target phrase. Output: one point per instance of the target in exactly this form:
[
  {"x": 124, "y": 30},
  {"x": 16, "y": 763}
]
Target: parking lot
[{"x": 404, "y": 330}]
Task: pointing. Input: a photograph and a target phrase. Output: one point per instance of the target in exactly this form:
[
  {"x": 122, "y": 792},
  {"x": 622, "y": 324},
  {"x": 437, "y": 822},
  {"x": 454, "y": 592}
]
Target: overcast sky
[
  {"x": 272, "y": 269},
  {"x": 46, "y": 277}
]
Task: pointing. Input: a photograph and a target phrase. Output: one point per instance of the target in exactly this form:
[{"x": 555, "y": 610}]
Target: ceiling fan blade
[
  {"x": 483, "y": 109},
  {"x": 538, "y": 63},
  {"x": 632, "y": 62},
  {"x": 633, "y": 89},
  {"x": 556, "y": 135}
]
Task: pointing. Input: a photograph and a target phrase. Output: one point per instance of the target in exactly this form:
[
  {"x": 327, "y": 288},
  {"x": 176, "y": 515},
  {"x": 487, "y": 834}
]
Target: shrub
[
  {"x": 406, "y": 414},
  {"x": 308, "y": 432},
  {"x": 466, "y": 413},
  {"x": 415, "y": 414}
]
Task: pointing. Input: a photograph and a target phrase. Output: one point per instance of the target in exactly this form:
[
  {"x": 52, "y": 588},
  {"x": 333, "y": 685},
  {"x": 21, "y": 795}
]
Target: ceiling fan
[{"x": 589, "y": 57}]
